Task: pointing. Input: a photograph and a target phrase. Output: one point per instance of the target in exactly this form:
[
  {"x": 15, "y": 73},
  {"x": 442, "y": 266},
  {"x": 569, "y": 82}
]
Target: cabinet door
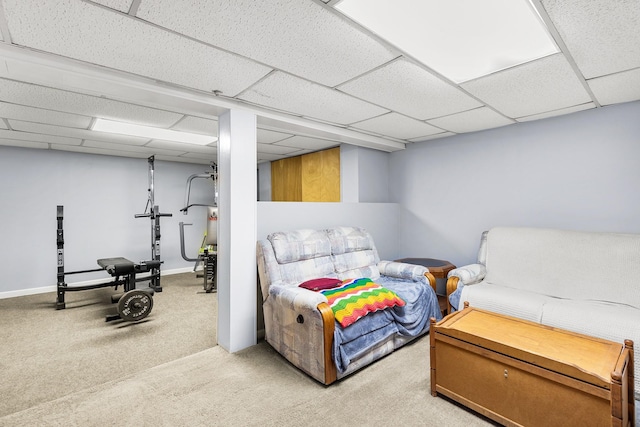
[
  {"x": 286, "y": 185},
  {"x": 321, "y": 176},
  {"x": 313, "y": 177}
]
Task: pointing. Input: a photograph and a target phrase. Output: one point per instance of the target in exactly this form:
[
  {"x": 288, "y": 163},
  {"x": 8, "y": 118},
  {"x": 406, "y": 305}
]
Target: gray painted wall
[
  {"x": 380, "y": 219},
  {"x": 578, "y": 171},
  {"x": 349, "y": 177},
  {"x": 264, "y": 181},
  {"x": 101, "y": 195},
  {"x": 373, "y": 176},
  {"x": 364, "y": 175}
]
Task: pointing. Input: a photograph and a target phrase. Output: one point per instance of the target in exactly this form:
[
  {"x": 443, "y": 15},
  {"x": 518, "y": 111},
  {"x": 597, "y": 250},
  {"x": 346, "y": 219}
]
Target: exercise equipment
[
  {"x": 208, "y": 251},
  {"x": 154, "y": 215},
  {"x": 133, "y": 304},
  {"x": 213, "y": 175}
]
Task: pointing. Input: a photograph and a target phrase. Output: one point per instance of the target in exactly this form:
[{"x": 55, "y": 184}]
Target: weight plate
[
  {"x": 210, "y": 267},
  {"x": 135, "y": 305}
]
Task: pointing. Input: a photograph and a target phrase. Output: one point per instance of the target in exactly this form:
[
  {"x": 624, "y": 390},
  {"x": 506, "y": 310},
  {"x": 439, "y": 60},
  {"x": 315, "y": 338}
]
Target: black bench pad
[{"x": 117, "y": 266}]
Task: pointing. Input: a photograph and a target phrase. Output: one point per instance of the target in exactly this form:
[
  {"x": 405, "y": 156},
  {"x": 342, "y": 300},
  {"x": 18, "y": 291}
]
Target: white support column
[{"x": 237, "y": 276}]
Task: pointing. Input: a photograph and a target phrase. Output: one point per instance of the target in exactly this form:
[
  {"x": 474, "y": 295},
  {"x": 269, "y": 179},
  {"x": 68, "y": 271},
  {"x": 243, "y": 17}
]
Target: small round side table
[{"x": 439, "y": 268}]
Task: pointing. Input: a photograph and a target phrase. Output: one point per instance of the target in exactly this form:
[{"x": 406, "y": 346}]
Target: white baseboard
[{"x": 53, "y": 288}]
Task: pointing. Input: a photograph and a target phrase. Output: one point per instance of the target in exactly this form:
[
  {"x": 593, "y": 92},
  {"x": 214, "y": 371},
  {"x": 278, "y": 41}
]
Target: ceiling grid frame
[
  {"x": 187, "y": 101},
  {"x": 537, "y": 4}
]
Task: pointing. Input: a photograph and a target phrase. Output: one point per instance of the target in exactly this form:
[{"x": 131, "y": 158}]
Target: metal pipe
[
  {"x": 151, "y": 169},
  {"x": 188, "y": 190},
  {"x": 182, "y": 251}
]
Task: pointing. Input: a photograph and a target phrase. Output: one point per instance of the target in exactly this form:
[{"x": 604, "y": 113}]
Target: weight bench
[
  {"x": 120, "y": 266},
  {"x": 134, "y": 304}
]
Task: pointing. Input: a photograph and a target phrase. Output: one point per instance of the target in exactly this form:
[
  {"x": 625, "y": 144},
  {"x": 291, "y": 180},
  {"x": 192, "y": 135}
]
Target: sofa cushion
[
  {"x": 505, "y": 300},
  {"x": 565, "y": 264},
  {"x": 349, "y": 239},
  {"x": 298, "y": 245},
  {"x": 356, "y": 264},
  {"x": 353, "y": 253},
  {"x": 295, "y": 273}
]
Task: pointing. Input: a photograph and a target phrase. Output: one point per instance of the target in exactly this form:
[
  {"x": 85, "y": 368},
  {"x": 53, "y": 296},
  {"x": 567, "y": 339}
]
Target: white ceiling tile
[
  {"x": 305, "y": 142},
  {"x": 275, "y": 149},
  {"x": 100, "y": 36},
  {"x": 76, "y": 133},
  {"x": 184, "y": 159},
  {"x": 178, "y": 146},
  {"x": 197, "y": 125},
  {"x": 121, "y": 5},
  {"x": 397, "y": 126},
  {"x": 207, "y": 157},
  {"x": 70, "y": 102},
  {"x": 288, "y": 93},
  {"x": 265, "y": 157},
  {"x": 89, "y": 150},
  {"x": 24, "y": 144},
  {"x": 26, "y": 136},
  {"x": 134, "y": 148},
  {"x": 266, "y": 136},
  {"x": 603, "y": 36},
  {"x": 539, "y": 86},
  {"x": 409, "y": 89},
  {"x": 430, "y": 137},
  {"x": 471, "y": 121},
  {"x": 300, "y": 37},
  {"x": 559, "y": 112},
  {"x": 32, "y": 114},
  {"x": 621, "y": 87}
]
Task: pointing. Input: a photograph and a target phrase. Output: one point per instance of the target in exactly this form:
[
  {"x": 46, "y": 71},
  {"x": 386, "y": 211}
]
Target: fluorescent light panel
[
  {"x": 103, "y": 125},
  {"x": 460, "y": 39}
]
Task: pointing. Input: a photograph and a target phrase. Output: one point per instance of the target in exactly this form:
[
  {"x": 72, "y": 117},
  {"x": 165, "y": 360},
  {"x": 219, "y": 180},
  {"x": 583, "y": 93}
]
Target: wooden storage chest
[{"x": 522, "y": 373}]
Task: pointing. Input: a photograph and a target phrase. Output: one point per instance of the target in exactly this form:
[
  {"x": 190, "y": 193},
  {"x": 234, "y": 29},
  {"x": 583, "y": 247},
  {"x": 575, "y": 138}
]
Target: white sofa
[{"x": 584, "y": 282}]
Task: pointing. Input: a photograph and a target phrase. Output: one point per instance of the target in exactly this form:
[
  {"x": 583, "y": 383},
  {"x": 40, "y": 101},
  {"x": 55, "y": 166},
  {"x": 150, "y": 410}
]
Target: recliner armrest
[
  {"x": 297, "y": 298},
  {"x": 299, "y": 324},
  {"x": 402, "y": 270}
]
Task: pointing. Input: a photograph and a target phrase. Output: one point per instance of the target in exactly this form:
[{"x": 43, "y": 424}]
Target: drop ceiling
[{"x": 314, "y": 78}]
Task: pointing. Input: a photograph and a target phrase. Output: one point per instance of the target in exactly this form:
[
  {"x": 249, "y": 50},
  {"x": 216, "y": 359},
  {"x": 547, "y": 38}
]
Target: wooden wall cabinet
[{"x": 313, "y": 177}]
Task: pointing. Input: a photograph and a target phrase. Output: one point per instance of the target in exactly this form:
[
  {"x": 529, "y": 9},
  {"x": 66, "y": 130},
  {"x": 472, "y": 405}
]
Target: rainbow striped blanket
[{"x": 358, "y": 297}]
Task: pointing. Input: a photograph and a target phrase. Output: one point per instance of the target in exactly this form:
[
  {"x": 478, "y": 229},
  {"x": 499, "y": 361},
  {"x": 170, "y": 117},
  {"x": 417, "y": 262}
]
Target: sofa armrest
[
  {"x": 296, "y": 298},
  {"x": 466, "y": 275},
  {"x": 469, "y": 274},
  {"x": 299, "y": 324},
  {"x": 401, "y": 270}
]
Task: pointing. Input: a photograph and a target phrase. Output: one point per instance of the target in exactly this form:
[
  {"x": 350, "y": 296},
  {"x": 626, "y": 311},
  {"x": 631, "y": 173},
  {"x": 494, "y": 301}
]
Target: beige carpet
[
  {"x": 257, "y": 387},
  {"x": 46, "y": 353},
  {"x": 71, "y": 368}
]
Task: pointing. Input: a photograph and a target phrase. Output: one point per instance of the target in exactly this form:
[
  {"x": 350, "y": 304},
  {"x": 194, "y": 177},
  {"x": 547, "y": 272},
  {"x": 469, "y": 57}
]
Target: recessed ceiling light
[
  {"x": 103, "y": 125},
  {"x": 460, "y": 39}
]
